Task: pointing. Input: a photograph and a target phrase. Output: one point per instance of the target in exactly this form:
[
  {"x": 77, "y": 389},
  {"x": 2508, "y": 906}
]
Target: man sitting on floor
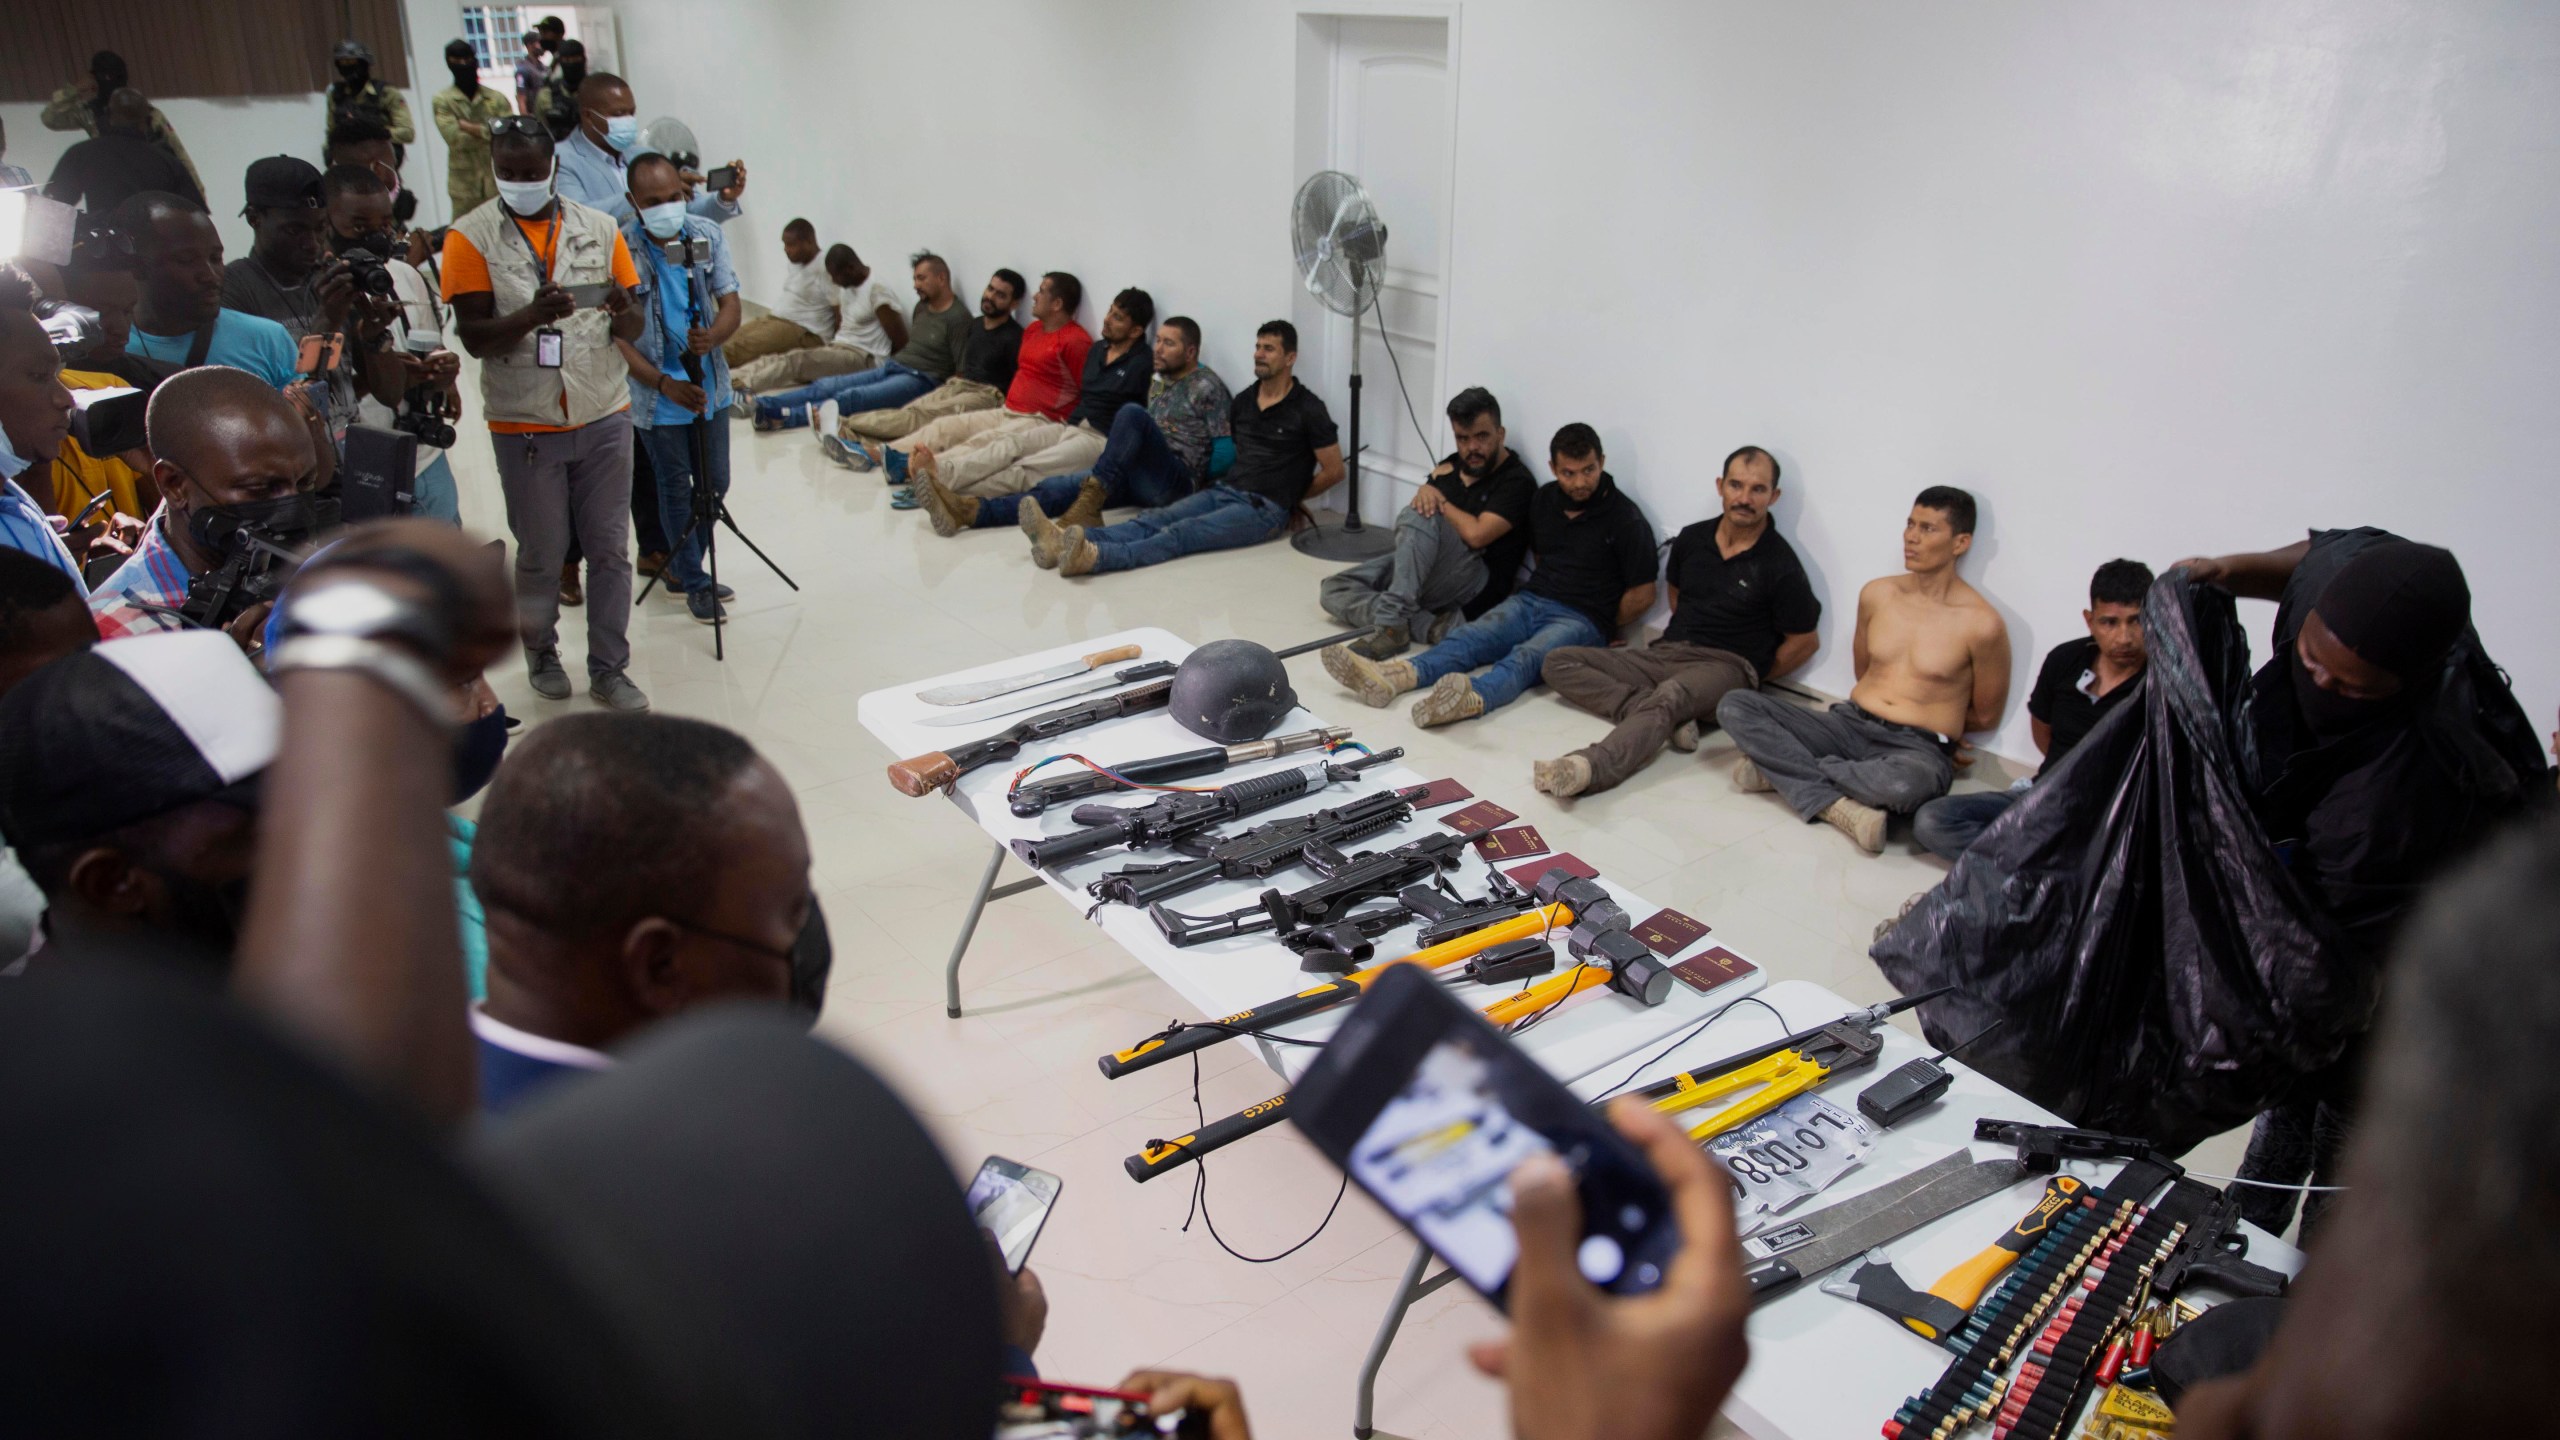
[
  {"x": 1048, "y": 379},
  {"x": 937, "y": 330},
  {"x": 806, "y": 314},
  {"x": 2081, "y": 681},
  {"x": 1286, "y": 450},
  {"x": 988, "y": 358},
  {"x": 868, "y": 329},
  {"x": 1595, "y": 573},
  {"x": 694, "y": 888},
  {"x": 1741, "y": 612},
  {"x": 1012, "y": 458},
  {"x": 1458, "y": 545},
  {"x": 1932, "y": 660},
  {"x": 1153, "y": 454}
]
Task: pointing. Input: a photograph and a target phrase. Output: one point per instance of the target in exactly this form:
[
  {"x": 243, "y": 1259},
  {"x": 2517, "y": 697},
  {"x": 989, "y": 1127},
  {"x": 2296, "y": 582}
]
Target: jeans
[
  {"x": 1514, "y": 638},
  {"x": 1429, "y": 571},
  {"x": 1218, "y": 518},
  {"x": 1947, "y": 826},
  {"x": 435, "y": 493},
  {"x": 671, "y": 456},
  {"x": 885, "y": 388},
  {"x": 1813, "y": 757},
  {"x": 1646, "y": 694},
  {"x": 1137, "y": 467}
]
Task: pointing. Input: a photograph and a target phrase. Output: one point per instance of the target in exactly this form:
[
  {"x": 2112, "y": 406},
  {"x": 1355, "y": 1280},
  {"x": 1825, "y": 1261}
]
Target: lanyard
[{"x": 559, "y": 219}]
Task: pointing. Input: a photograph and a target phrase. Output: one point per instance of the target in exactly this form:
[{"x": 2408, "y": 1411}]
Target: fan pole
[{"x": 1353, "y": 540}]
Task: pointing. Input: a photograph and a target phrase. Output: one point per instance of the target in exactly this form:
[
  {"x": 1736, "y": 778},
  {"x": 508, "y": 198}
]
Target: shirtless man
[{"x": 1932, "y": 661}]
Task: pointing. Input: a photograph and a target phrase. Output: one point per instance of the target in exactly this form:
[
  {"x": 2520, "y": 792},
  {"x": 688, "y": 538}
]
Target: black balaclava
[
  {"x": 2400, "y": 605},
  {"x": 465, "y": 70},
  {"x": 108, "y": 69}
]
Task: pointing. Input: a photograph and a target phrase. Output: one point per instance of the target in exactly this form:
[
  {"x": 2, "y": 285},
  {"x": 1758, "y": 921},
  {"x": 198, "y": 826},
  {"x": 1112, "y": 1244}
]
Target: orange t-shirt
[{"x": 466, "y": 272}]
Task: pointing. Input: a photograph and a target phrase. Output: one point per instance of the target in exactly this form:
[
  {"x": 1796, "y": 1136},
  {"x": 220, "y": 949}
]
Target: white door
[{"x": 1389, "y": 126}]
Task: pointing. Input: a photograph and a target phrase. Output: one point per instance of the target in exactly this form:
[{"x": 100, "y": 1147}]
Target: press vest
[{"x": 592, "y": 373}]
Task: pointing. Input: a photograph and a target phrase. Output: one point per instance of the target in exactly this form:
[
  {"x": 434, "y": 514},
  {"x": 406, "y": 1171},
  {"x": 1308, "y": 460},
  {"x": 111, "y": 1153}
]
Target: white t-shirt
[
  {"x": 808, "y": 297},
  {"x": 861, "y": 328}
]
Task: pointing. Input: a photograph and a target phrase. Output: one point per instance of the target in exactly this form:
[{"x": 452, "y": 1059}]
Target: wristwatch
[{"x": 347, "y": 622}]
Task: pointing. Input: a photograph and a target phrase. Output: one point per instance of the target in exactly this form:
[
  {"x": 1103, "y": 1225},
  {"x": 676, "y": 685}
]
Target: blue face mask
[
  {"x": 665, "y": 222},
  {"x": 622, "y": 132}
]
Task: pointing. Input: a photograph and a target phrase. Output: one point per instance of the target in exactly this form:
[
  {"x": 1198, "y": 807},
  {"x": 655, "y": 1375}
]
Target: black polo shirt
[
  {"x": 1276, "y": 447},
  {"x": 1506, "y": 492},
  {"x": 989, "y": 356},
  {"x": 2058, "y": 700},
  {"x": 1591, "y": 559},
  {"x": 1745, "y": 604},
  {"x": 1110, "y": 384}
]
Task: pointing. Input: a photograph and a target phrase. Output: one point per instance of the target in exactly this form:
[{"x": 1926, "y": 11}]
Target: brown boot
[
  {"x": 1076, "y": 554},
  {"x": 1448, "y": 702},
  {"x": 1376, "y": 682},
  {"x": 650, "y": 564},
  {"x": 1087, "y": 509},
  {"x": 1861, "y": 823},
  {"x": 1041, "y": 531},
  {"x": 571, "y": 593},
  {"x": 949, "y": 513}
]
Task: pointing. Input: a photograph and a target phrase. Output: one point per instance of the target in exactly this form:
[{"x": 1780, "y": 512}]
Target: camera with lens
[
  {"x": 422, "y": 414},
  {"x": 261, "y": 545},
  {"x": 371, "y": 272}
]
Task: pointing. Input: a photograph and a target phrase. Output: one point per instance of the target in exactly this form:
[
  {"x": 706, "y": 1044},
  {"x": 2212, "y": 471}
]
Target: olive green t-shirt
[{"x": 934, "y": 340}]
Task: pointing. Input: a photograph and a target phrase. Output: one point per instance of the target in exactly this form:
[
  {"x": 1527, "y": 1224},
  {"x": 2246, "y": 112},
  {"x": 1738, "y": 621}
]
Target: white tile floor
[{"x": 882, "y": 601}]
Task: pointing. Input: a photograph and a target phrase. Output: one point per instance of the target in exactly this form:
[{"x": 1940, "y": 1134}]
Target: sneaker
[
  {"x": 705, "y": 607},
  {"x": 951, "y": 513},
  {"x": 1076, "y": 554},
  {"x": 1384, "y": 643},
  {"x": 893, "y": 462},
  {"x": 850, "y": 457},
  {"x": 1450, "y": 701},
  {"x": 1747, "y": 777},
  {"x": 904, "y": 498},
  {"x": 1376, "y": 682},
  {"x": 1441, "y": 625},
  {"x": 1041, "y": 531},
  {"x": 550, "y": 680},
  {"x": 719, "y": 592},
  {"x": 614, "y": 691},
  {"x": 771, "y": 417},
  {"x": 1087, "y": 507},
  {"x": 1863, "y": 824},
  {"x": 653, "y": 563},
  {"x": 571, "y": 592},
  {"x": 1563, "y": 777},
  {"x": 1685, "y": 737}
]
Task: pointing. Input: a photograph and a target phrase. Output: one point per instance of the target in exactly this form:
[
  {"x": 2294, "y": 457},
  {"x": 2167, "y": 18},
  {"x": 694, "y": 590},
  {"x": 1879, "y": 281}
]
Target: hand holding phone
[
  {"x": 1011, "y": 1201},
  {"x": 588, "y": 297}
]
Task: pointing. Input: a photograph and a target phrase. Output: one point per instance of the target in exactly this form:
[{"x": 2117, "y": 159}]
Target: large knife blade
[
  {"x": 974, "y": 691},
  {"x": 1043, "y": 699},
  {"x": 1780, "y": 1256}
]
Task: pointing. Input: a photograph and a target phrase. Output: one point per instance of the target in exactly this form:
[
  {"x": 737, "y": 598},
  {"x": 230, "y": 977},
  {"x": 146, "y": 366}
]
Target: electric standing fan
[{"x": 1341, "y": 246}]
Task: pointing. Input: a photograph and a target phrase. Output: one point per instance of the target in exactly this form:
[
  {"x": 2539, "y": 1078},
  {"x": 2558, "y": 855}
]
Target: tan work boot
[
  {"x": 1747, "y": 777},
  {"x": 1450, "y": 701},
  {"x": 1087, "y": 509},
  {"x": 1384, "y": 643},
  {"x": 1685, "y": 737},
  {"x": 949, "y": 512},
  {"x": 1041, "y": 531},
  {"x": 1563, "y": 777},
  {"x": 1861, "y": 823},
  {"x": 1376, "y": 682},
  {"x": 1076, "y": 554}
]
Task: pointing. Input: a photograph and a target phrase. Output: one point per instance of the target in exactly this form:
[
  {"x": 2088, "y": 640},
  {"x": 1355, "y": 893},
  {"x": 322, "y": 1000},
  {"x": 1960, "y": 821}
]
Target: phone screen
[
  {"x": 587, "y": 297},
  {"x": 1011, "y": 1201},
  {"x": 1430, "y": 1109},
  {"x": 721, "y": 178}
]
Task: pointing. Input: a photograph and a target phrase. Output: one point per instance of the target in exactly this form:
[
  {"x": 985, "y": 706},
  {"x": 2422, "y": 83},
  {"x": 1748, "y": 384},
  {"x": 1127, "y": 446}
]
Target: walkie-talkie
[{"x": 1912, "y": 1086}]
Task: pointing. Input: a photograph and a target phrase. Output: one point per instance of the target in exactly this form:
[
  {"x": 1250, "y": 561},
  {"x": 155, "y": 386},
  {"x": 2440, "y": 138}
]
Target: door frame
[{"x": 1319, "y": 34}]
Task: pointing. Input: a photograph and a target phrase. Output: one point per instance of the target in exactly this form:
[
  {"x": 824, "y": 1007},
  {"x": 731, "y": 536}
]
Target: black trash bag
[{"x": 2159, "y": 971}]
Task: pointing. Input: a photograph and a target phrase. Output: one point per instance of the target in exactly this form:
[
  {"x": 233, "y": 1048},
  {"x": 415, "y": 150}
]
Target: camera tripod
[{"x": 709, "y": 505}]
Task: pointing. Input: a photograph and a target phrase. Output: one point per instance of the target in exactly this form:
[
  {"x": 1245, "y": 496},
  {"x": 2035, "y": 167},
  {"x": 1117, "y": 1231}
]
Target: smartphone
[
  {"x": 1032, "y": 1409},
  {"x": 587, "y": 297},
  {"x": 1430, "y": 1109},
  {"x": 721, "y": 178},
  {"x": 89, "y": 512},
  {"x": 1011, "y": 1201},
  {"x": 319, "y": 352}
]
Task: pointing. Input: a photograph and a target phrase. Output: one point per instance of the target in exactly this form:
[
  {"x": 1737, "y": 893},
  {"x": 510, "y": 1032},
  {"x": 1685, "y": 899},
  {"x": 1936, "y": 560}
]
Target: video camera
[{"x": 256, "y": 564}]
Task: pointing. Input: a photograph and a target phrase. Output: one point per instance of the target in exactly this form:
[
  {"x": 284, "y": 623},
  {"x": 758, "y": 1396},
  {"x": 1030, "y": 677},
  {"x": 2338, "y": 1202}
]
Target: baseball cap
[
  {"x": 282, "y": 182},
  {"x": 133, "y": 729}
]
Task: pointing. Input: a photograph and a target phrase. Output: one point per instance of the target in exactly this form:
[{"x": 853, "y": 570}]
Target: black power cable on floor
[{"x": 1377, "y": 307}]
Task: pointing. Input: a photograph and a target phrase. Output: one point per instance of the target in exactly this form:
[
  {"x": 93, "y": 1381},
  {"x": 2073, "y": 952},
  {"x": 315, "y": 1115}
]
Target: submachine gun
[
  {"x": 1256, "y": 853},
  {"x": 1175, "y": 818},
  {"x": 1347, "y": 881}
]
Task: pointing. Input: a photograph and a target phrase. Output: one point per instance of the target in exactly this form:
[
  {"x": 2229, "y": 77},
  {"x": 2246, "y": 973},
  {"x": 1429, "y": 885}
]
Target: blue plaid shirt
[
  {"x": 154, "y": 576},
  {"x": 24, "y": 526}
]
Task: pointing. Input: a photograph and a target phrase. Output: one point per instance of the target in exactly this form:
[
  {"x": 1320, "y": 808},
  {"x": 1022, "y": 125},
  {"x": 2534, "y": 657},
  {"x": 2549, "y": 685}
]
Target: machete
[
  {"x": 977, "y": 690},
  {"x": 1016, "y": 704},
  {"x": 1780, "y": 1256}
]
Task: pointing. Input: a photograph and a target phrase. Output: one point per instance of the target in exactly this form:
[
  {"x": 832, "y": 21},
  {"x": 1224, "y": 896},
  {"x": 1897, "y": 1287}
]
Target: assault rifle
[
  {"x": 1043, "y": 795},
  {"x": 1348, "y": 880},
  {"x": 1254, "y": 854},
  {"x": 1177, "y": 817}
]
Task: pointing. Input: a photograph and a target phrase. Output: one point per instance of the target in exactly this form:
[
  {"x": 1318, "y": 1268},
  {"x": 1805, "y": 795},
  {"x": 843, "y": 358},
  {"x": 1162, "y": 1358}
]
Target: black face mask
[
  {"x": 466, "y": 74},
  {"x": 477, "y": 749},
  {"x": 377, "y": 243},
  {"x": 2328, "y": 714},
  {"x": 286, "y": 520},
  {"x": 351, "y": 76},
  {"x": 572, "y": 73},
  {"x": 206, "y": 913}
]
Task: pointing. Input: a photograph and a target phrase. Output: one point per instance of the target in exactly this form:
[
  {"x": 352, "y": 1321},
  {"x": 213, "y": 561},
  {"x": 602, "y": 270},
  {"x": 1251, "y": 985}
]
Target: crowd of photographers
[{"x": 329, "y": 1112}]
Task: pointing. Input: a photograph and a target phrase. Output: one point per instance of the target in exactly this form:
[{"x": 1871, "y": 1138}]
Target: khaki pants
[
  {"x": 1014, "y": 459},
  {"x": 1649, "y": 693},
  {"x": 952, "y": 397},
  {"x": 799, "y": 367},
  {"x": 767, "y": 335}
]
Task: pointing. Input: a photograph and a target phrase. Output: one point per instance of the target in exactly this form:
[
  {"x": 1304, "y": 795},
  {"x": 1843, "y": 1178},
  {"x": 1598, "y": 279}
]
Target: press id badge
[{"x": 548, "y": 348}]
